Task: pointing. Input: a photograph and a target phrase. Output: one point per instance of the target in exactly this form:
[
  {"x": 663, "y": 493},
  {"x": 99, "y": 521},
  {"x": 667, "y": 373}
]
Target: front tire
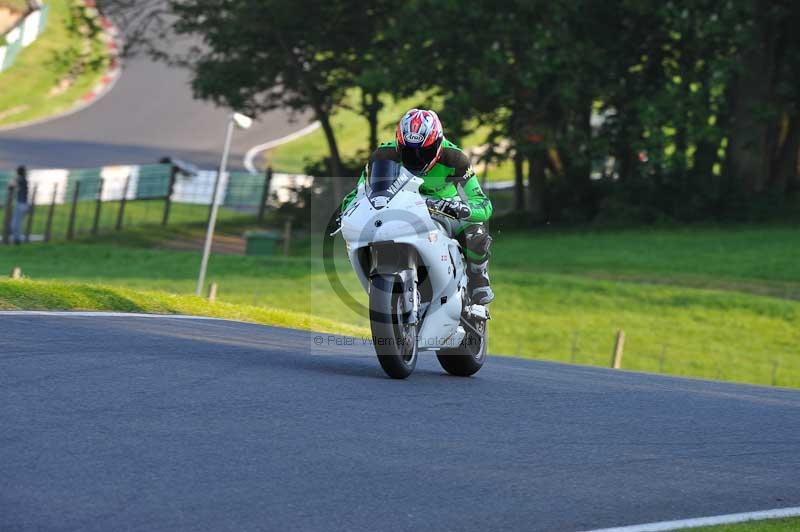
[
  {"x": 467, "y": 358},
  {"x": 395, "y": 340}
]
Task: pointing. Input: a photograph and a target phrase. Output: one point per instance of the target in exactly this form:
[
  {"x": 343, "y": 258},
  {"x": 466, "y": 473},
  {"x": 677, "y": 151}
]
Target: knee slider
[{"x": 478, "y": 239}]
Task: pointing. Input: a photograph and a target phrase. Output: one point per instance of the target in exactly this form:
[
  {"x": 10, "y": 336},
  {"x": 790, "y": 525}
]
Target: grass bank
[
  {"x": 27, "y": 294},
  {"x": 28, "y": 90},
  {"x": 683, "y": 297}
]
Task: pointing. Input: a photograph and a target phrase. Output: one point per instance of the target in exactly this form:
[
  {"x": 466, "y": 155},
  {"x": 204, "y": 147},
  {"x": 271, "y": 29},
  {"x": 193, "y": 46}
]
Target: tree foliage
[{"x": 645, "y": 109}]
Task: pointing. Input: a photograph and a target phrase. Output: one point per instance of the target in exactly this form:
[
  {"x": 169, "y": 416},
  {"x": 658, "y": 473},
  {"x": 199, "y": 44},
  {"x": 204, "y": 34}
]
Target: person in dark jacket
[{"x": 22, "y": 204}]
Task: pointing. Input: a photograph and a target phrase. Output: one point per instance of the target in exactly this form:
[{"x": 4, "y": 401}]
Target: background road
[
  {"x": 111, "y": 423},
  {"x": 149, "y": 114}
]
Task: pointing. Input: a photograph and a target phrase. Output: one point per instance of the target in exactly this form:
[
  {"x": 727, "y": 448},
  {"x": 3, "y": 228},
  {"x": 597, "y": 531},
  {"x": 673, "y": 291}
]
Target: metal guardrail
[
  {"x": 70, "y": 202},
  {"x": 22, "y": 35}
]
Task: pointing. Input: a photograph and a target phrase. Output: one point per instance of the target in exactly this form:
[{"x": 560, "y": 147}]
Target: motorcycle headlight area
[{"x": 379, "y": 202}]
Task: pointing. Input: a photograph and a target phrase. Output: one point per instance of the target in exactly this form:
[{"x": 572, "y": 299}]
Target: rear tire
[
  {"x": 395, "y": 342},
  {"x": 467, "y": 358}
]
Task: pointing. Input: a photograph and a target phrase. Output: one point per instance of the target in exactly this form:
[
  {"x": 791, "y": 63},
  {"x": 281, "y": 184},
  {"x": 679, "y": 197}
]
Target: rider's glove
[{"x": 455, "y": 209}]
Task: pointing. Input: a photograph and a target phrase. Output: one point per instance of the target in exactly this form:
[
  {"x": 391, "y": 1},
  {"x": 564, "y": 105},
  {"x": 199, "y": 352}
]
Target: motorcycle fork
[{"x": 408, "y": 284}]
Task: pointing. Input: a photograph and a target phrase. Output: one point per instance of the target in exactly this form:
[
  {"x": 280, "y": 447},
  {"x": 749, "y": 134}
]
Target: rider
[{"x": 451, "y": 185}]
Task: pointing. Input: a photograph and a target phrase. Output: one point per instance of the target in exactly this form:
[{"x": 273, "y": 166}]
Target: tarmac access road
[{"x": 150, "y": 113}]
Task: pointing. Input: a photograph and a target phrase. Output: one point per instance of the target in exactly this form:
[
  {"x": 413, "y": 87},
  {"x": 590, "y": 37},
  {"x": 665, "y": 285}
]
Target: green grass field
[
  {"x": 688, "y": 300},
  {"x": 761, "y": 260},
  {"x": 25, "y": 87}
]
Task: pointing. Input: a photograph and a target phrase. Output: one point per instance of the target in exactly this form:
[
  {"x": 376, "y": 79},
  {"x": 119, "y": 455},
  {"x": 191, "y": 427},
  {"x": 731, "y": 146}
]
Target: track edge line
[{"x": 725, "y": 519}]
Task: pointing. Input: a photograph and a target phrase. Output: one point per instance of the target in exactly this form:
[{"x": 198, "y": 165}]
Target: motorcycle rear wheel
[
  {"x": 467, "y": 358},
  {"x": 395, "y": 341}
]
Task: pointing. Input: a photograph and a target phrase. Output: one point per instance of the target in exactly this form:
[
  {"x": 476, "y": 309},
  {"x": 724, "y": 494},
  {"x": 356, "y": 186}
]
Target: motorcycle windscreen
[{"x": 382, "y": 175}]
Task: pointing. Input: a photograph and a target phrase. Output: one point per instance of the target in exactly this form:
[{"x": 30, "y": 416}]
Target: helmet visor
[{"x": 416, "y": 159}]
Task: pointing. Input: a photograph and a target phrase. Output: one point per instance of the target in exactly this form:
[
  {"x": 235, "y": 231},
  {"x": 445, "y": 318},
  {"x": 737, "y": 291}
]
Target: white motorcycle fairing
[{"x": 404, "y": 220}]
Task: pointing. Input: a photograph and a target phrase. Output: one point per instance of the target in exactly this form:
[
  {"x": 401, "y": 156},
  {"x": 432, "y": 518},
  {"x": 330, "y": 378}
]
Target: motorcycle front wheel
[
  {"x": 469, "y": 356},
  {"x": 395, "y": 339}
]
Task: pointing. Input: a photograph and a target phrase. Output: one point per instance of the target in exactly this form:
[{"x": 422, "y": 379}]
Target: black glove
[{"x": 454, "y": 209}]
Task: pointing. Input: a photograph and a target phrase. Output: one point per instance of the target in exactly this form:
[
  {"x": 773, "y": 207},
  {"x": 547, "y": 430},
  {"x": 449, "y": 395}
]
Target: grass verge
[
  {"x": 776, "y": 525},
  {"x": 26, "y": 294},
  {"x": 25, "y": 88}
]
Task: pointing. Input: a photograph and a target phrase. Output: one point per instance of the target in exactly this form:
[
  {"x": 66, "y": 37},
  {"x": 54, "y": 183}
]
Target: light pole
[{"x": 243, "y": 122}]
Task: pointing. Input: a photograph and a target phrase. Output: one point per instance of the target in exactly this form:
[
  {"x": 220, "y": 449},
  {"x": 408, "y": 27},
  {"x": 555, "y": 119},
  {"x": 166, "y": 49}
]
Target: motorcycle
[{"x": 415, "y": 275}]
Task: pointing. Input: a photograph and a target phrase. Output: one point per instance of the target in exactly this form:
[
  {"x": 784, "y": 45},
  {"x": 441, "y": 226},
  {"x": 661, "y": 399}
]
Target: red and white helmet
[{"x": 419, "y": 140}]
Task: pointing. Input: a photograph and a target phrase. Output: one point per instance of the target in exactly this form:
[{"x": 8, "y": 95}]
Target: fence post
[
  {"x": 16, "y": 272},
  {"x": 287, "y": 236},
  {"x": 574, "y": 355},
  {"x": 48, "y": 228},
  {"x": 121, "y": 213},
  {"x": 97, "y": 206},
  {"x": 7, "y": 214},
  {"x": 168, "y": 198},
  {"x": 264, "y": 194},
  {"x": 212, "y": 292},
  {"x": 31, "y": 211},
  {"x": 619, "y": 345},
  {"x": 73, "y": 211}
]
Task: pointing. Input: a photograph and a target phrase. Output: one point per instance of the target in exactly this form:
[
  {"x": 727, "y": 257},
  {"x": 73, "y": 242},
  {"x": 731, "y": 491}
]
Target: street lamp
[{"x": 242, "y": 122}]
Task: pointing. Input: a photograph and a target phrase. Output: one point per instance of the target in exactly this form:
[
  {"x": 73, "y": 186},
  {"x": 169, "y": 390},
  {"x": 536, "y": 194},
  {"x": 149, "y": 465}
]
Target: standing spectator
[{"x": 22, "y": 204}]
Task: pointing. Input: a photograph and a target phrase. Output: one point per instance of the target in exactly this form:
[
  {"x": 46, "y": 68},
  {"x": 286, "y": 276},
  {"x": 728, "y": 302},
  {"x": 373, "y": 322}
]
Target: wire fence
[
  {"x": 598, "y": 347},
  {"x": 64, "y": 204}
]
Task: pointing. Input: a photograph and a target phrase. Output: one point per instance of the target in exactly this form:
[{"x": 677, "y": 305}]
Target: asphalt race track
[
  {"x": 134, "y": 423},
  {"x": 149, "y": 114}
]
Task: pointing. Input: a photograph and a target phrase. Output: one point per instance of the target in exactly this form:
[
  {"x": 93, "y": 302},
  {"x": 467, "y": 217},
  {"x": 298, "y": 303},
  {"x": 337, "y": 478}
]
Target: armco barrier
[
  {"x": 22, "y": 35},
  {"x": 70, "y": 202}
]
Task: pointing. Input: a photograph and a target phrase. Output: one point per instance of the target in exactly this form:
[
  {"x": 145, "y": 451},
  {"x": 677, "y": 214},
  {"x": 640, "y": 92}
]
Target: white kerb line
[
  {"x": 680, "y": 524},
  {"x": 255, "y": 150}
]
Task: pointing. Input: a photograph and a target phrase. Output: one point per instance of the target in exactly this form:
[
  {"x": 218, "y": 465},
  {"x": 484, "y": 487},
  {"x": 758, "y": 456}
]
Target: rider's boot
[
  {"x": 477, "y": 243},
  {"x": 478, "y": 276}
]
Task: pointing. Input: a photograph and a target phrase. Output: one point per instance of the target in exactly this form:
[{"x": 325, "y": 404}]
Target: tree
[
  {"x": 260, "y": 55},
  {"x": 679, "y": 109},
  {"x": 528, "y": 73},
  {"x": 765, "y": 99}
]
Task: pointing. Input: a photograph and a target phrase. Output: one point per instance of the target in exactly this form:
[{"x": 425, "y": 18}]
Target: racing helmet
[{"x": 419, "y": 140}]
